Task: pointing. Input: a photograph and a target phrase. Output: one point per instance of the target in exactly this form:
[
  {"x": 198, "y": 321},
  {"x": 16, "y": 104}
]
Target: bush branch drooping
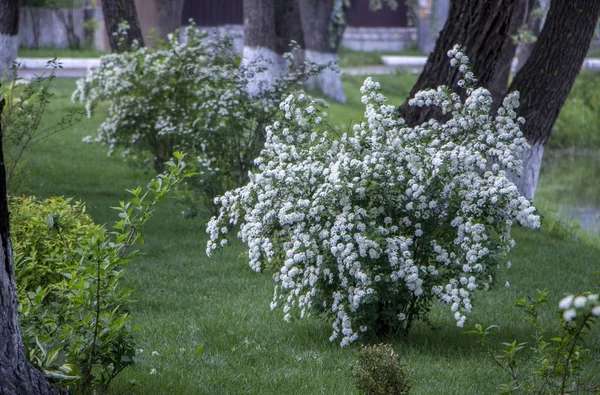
[{"x": 372, "y": 226}]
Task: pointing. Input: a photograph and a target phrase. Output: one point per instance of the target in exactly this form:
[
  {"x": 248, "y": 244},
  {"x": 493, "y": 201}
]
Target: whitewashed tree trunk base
[
  {"x": 275, "y": 67},
  {"x": 532, "y": 162},
  {"x": 8, "y": 53},
  {"x": 328, "y": 81}
]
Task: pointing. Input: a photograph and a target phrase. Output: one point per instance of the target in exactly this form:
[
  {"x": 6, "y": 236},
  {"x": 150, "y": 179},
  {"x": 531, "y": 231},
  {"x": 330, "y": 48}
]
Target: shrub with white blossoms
[
  {"x": 189, "y": 95},
  {"x": 370, "y": 227},
  {"x": 582, "y": 305}
]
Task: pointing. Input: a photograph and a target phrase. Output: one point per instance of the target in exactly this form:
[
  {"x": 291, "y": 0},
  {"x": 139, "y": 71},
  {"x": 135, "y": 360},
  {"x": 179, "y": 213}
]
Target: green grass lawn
[
  {"x": 48, "y": 53},
  {"x": 348, "y": 58},
  {"x": 185, "y": 300}
]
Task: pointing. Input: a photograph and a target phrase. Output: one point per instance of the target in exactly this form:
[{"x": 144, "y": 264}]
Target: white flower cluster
[
  {"x": 385, "y": 215},
  {"x": 583, "y": 304}
]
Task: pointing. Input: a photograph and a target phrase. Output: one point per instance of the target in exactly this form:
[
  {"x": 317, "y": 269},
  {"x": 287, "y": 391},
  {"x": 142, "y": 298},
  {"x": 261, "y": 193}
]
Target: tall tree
[
  {"x": 260, "y": 41},
  {"x": 116, "y": 12},
  {"x": 269, "y": 27},
  {"x": 17, "y": 376},
  {"x": 9, "y": 34},
  {"x": 323, "y": 23},
  {"x": 169, "y": 16},
  {"x": 288, "y": 27},
  {"x": 546, "y": 78},
  {"x": 533, "y": 27},
  {"x": 482, "y": 28},
  {"x": 499, "y": 84}
]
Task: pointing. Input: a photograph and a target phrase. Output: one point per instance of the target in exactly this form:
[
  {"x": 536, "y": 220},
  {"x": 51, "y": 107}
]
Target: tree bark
[
  {"x": 534, "y": 24},
  {"x": 260, "y": 43},
  {"x": 68, "y": 23},
  {"x": 322, "y": 39},
  {"x": 482, "y": 28},
  {"x": 499, "y": 84},
  {"x": 115, "y": 12},
  {"x": 169, "y": 16},
  {"x": 288, "y": 27},
  {"x": 546, "y": 78},
  {"x": 17, "y": 376},
  {"x": 9, "y": 35}
]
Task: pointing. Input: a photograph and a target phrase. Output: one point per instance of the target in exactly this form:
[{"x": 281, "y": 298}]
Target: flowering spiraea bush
[
  {"x": 372, "y": 226},
  {"x": 191, "y": 95}
]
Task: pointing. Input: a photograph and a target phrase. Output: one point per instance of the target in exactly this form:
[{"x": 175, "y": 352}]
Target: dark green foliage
[
  {"x": 73, "y": 310},
  {"x": 46, "y": 236}
]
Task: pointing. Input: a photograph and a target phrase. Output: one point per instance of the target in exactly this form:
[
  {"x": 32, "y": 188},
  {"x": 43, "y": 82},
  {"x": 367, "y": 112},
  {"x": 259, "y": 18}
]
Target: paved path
[{"x": 77, "y": 67}]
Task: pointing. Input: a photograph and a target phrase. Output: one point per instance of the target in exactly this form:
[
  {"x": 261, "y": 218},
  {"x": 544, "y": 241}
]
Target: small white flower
[
  {"x": 565, "y": 302},
  {"x": 579, "y": 302},
  {"x": 154, "y": 353},
  {"x": 569, "y": 314},
  {"x": 153, "y": 371}
]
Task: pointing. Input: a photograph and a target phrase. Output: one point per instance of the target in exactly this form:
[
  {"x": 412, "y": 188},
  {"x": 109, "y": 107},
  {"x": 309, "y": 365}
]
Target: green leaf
[{"x": 199, "y": 349}]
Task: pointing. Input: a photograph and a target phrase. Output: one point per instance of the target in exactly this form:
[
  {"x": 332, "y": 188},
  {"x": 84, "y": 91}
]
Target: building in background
[{"x": 383, "y": 30}]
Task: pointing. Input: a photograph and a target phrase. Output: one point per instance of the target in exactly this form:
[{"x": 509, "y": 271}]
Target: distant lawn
[
  {"x": 49, "y": 53},
  {"x": 349, "y": 58},
  {"x": 185, "y": 300}
]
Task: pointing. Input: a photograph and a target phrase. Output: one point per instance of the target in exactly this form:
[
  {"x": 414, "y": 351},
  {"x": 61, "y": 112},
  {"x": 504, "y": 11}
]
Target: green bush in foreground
[
  {"x": 378, "y": 372},
  {"x": 73, "y": 311}
]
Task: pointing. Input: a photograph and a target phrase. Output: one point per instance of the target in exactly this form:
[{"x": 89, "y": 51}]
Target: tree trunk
[
  {"x": 169, "y": 16},
  {"x": 288, "y": 28},
  {"x": 534, "y": 24},
  {"x": 499, "y": 84},
  {"x": 260, "y": 43},
  {"x": 546, "y": 78},
  {"x": 9, "y": 35},
  {"x": 481, "y": 27},
  {"x": 17, "y": 376},
  {"x": 116, "y": 12},
  {"x": 323, "y": 25},
  {"x": 68, "y": 23}
]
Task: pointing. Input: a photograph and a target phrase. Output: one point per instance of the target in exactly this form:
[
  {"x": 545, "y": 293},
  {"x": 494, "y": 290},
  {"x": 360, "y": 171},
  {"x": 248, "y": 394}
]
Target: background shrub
[{"x": 194, "y": 96}]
